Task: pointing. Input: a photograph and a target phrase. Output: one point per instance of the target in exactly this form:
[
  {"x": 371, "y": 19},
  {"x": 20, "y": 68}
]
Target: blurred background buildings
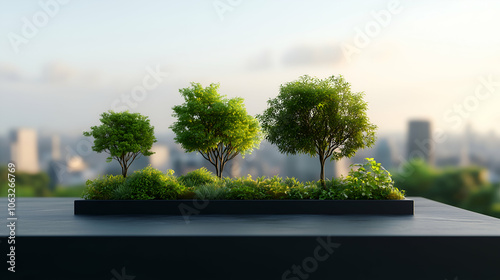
[
  {"x": 69, "y": 160},
  {"x": 420, "y": 141}
]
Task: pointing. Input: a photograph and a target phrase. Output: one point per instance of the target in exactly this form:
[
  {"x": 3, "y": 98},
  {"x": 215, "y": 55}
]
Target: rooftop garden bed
[
  {"x": 367, "y": 190},
  {"x": 311, "y": 116}
]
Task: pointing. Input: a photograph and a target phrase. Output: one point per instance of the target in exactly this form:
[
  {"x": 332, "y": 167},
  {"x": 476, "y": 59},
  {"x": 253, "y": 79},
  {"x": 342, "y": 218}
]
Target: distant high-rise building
[
  {"x": 4, "y": 150},
  {"x": 24, "y": 150},
  {"x": 420, "y": 141}
]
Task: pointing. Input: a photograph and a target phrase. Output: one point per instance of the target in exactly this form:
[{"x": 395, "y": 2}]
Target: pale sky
[{"x": 64, "y": 63}]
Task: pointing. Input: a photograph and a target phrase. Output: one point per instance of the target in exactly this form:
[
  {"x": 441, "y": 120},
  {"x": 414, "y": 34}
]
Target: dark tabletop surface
[{"x": 54, "y": 217}]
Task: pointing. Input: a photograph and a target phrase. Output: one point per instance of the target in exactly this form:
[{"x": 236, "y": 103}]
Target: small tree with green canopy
[
  {"x": 318, "y": 117},
  {"x": 216, "y": 127},
  {"x": 124, "y": 136}
]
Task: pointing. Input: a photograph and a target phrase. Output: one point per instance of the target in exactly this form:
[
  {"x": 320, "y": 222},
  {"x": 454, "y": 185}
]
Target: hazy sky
[{"x": 62, "y": 63}]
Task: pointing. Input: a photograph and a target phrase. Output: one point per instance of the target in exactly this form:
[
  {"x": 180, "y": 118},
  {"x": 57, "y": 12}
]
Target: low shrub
[
  {"x": 242, "y": 188},
  {"x": 371, "y": 181},
  {"x": 212, "y": 191},
  {"x": 102, "y": 187},
  {"x": 123, "y": 192},
  {"x": 273, "y": 188},
  {"x": 151, "y": 183},
  {"x": 335, "y": 189},
  {"x": 198, "y": 177},
  {"x": 187, "y": 193}
]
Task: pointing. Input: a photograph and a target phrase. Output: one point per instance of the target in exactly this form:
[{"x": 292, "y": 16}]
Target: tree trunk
[
  {"x": 216, "y": 169},
  {"x": 322, "y": 174},
  {"x": 123, "y": 165},
  {"x": 124, "y": 170},
  {"x": 221, "y": 168}
]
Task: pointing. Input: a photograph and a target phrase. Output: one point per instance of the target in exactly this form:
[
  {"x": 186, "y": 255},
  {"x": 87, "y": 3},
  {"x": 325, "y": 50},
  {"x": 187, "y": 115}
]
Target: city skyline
[
  {"x": 69, "y": 160},
  {"x": 58, "y": 71}
]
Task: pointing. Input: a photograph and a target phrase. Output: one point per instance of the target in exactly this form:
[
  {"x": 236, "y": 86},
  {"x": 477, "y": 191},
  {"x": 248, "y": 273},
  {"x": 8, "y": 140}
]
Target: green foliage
[
  {"x": 147, "y": 183},
  {"x": 27, "y": 184},
  {"x": 242, "y": 188},
  {"x": 198, "y": 177},
  {"x": 124, "y": 136},
  {"x": 451, "y": 185},
  {"x": 297, "y": 190},
  {"x": 464, "y": 187},
  {"x": 24, "y": 191},
  {"x": 150, "y": 183},
  {"x": 188, "y": 193},
  {"x": 211, "y": 191},
  {"x": 305, "y": 192},
  {"x": 123, "y": 192},
  {"x": 262, "y": 188},
  {"x": 102, "y": 188},
  {"x": 371, "y": 181},
  {"x": 36, "y": 185},
  {"x": 216, "y": 127},
  {"x": 69, "y": 191},
  {"x": 416, "y": 176},
  {"x": 318, "y": 117},
  {"x": 482, "y": 200}
]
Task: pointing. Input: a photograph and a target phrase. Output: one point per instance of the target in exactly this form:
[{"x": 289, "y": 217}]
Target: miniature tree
[
  {"x": 216, "y": 127},
  {"x": 318, "y": 117},
  {"x": 124, "y": 136}
]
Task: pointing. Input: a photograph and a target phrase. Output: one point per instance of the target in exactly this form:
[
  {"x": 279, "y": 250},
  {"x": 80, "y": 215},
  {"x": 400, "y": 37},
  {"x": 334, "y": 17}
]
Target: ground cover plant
[{"x": 367, "y": 181}]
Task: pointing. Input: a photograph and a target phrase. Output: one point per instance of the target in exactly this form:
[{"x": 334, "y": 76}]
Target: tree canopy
[
  {"x": 318, "y": 117},
  {"x": 216, "y": 127},
  {"x": 124, "y": 136}
]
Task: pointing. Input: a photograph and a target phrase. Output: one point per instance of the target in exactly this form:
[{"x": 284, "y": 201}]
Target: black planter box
[
  {"x": 438, "y": 242},
  {"x": 243, "y": 207}
]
